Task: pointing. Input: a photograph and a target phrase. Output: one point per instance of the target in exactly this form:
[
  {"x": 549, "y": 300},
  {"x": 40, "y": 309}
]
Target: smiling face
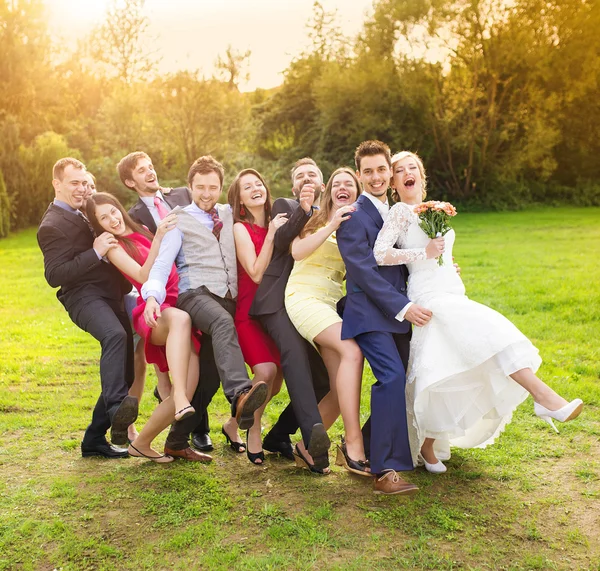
[
  {"x": 374, "y": 175},
  {"x": 206, "y": 189},
  {"x": 143, "y": 178},
  {"x": 110, "y": 219},
  {"x": 252, "y": 191},
  {"x": 343, "y": 190},
  {"x": 408, "y": 179},
  {"x": 71, "y": 188}
]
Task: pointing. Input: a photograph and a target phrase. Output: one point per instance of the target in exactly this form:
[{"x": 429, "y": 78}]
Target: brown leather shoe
[
  {"x": 188, "y": 454},
  {"x": 390, "y": 483},
  {"x": 246, "y": 403}
]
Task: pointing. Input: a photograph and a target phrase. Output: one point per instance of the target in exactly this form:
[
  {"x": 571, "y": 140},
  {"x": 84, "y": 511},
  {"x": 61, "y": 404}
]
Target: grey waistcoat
[{"x": 203, "y": 260}]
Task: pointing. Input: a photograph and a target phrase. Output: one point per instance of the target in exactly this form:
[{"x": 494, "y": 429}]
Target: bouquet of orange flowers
[{"x": 434, "y": 219}]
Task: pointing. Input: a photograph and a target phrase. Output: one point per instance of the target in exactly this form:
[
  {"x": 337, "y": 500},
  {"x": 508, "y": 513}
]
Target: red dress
[
  {"x": 155, "y": 354},
  {"x": 257, "y": 347}
]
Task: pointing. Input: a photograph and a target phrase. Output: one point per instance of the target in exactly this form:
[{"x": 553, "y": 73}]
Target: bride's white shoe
[
  {"x": 437, "y": 468},
  {"x": 567, "y": 412}
]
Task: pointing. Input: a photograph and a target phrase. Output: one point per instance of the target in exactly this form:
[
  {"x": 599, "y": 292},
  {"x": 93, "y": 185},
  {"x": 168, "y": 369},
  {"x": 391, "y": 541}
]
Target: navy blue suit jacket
[{"x": 375, "y": 294}]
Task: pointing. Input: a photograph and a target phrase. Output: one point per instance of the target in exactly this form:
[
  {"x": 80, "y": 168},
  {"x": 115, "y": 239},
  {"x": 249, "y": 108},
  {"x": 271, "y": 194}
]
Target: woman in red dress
[
  {"x": 169, "y": 345},
  {"x": 254, "y": 232}
]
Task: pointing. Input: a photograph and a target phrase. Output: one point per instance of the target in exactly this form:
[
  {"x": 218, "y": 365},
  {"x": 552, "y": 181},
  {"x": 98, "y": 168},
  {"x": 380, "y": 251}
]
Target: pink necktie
[
  {"x": 162, "y": 211},
  {"x": 217, "y": 222}
]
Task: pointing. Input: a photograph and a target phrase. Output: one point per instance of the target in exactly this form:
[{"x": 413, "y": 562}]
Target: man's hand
[
  {"x": 105, "y": 242},
  {"x": 152, "y": 312},
  {"x": 307, "y": 197},
  {"x": 417, "y": 315}
]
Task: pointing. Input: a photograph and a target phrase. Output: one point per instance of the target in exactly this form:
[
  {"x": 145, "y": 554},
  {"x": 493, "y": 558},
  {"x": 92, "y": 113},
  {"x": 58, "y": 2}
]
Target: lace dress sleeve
[{"x": 393, "y": 233}]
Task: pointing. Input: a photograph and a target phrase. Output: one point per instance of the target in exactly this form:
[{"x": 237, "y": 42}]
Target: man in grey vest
[{"x": 203, "y": 250}]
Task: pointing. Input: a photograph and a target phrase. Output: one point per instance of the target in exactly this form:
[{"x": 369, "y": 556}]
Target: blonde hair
[{"x": 403, "y": 155}]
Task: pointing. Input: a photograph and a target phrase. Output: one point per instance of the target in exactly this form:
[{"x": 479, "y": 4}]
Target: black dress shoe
[
  {"x": 103, "y": 449},
  {"x": 202, "y": 442},
  {"x": 283, "y": 447},
  {"x": 124, "y": 415}
]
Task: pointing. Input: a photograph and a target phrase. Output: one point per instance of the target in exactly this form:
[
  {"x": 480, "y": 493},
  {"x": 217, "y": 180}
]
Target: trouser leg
[
  {"x": 214, "y": 315},
  {"x": 296, "y": 370},
  {"x": 390, "y": 449}
]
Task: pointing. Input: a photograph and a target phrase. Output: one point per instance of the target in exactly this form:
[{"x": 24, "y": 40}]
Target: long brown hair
[
  {"x": 321, "y": 218},
  {"x": 105, "y": 198},
  {"x": 233, "y": 198}
]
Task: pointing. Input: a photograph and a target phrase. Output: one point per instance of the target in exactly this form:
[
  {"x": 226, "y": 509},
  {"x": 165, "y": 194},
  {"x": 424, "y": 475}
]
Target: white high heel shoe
[
  {"x": 567, "y": 412},
  {"x": 437, "y": 468}
]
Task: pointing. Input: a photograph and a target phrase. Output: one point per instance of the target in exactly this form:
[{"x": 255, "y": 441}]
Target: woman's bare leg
[
  {"x": 262, "y": 372},
  {"x": 538, "y": 389},
  {"x": 176, "y": 336}
]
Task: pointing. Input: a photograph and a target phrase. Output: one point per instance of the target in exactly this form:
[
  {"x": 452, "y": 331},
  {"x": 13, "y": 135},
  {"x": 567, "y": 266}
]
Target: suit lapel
[
  {"x": 142, "y": 213},
  {"x": 71, "y": 218},
  {"x": 371, "y": 210}
]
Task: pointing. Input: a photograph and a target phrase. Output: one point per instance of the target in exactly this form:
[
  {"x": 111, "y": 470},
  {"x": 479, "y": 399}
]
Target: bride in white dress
[{"x": 469, "y": 367}]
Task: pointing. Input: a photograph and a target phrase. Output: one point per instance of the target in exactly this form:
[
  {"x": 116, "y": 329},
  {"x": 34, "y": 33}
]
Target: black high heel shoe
[
  {"x": 238, "y": 447},
  {"x": 254, "y": 456},
  {"x": 355, "y": 466},
  {"x": 302, "y": 462}
]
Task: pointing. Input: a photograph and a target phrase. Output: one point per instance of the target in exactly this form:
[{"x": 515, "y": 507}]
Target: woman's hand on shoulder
[
  {"x": 277, "y": 222},
  {"x": 166, "y": 224},
  {"x": 341, "y": 214}
]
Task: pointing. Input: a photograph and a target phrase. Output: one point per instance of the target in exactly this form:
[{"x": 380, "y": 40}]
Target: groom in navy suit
[{"x": 377, "y": 314}]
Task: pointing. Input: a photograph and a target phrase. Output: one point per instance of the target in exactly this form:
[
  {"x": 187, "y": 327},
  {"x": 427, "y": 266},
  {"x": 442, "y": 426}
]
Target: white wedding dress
[{"x": 460, "y": 362}]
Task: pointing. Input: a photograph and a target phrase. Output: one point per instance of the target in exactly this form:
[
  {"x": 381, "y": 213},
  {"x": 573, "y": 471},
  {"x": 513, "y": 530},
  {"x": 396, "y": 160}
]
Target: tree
[
  {"x": 233, "y": 67},
  {"x": 120, "y": 42},
  {"x": 5, "y": 213}
]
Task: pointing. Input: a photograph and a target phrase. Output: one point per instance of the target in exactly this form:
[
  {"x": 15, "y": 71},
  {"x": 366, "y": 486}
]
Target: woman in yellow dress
[{"x": 313, "y": 290}]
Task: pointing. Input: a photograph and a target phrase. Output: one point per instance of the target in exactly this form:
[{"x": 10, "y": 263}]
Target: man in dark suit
[
  {"x": 91, "y": 291},
  {"x": 303, "y": 369},
  {"x": 137, "y": 173},
  {"x": 377, "y": 314}
]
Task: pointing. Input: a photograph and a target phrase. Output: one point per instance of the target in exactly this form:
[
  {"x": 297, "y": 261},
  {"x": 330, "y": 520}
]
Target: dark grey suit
[
  {"x": 92, "y": 293},
  {"x": 208, "y": 383},
  {"x": 303, "y": 369}
]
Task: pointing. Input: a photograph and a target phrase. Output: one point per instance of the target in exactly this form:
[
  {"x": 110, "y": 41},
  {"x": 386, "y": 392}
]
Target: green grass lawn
[{"x": 531, "y": 501}]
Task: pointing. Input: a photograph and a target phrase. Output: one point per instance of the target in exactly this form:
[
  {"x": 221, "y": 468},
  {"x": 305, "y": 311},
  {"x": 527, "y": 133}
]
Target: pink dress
[
  {"x": 257, "y": 347},
  {"x": 155, "y": 354}
]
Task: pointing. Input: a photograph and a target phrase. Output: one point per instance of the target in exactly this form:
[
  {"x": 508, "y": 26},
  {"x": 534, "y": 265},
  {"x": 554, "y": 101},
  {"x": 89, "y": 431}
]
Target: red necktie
[
  {"x": 162, "y": 211},
  {"x": 217, "y": 222}
]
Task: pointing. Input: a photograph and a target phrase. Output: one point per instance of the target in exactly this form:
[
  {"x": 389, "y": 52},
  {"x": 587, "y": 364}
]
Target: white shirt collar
[{"x": 382, "y": 207}]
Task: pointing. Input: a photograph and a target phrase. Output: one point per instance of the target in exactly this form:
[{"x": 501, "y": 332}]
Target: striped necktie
[{"x": 217, "y": 222}]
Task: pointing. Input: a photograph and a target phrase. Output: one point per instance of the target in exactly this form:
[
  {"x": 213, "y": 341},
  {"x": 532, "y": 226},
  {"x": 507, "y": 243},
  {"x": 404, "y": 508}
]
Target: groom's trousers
[{"x": 390, "y": 449}]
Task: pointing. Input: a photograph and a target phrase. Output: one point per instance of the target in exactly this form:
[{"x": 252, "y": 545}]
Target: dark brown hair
[
  {"x": 206, "y": 165},
  {"x": 128, "y": 245},
  {"x": 127, "y": 165},
  {"x": 59, "y": 167},
  {"x": 321, "y": 217},
  {"x": 233, "y": 198},
  {"x": 371, "y": 149}
]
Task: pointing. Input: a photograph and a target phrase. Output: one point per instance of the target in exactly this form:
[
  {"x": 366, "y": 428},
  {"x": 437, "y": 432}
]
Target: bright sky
[{"x": 192, "y": 33}]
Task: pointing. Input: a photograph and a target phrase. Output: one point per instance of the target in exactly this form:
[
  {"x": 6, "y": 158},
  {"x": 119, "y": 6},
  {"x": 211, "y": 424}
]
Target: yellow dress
[{"x": 314, "y": 288}]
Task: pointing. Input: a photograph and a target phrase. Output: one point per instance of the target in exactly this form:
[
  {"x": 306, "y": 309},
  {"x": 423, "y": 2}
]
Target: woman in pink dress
[
  {"x": 254, "y": 232},
  {"x": 169, "y": 345}
]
